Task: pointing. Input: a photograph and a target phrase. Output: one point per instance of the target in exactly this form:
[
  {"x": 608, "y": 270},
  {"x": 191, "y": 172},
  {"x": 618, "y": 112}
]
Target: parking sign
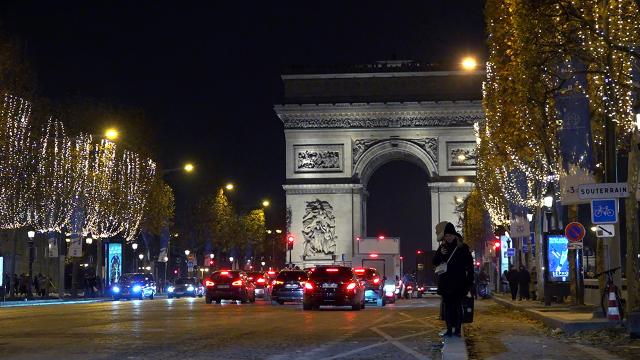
[{"x": 604, "y": 211}]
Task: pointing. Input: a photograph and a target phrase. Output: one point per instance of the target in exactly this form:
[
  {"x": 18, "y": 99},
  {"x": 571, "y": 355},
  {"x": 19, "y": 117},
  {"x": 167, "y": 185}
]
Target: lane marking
[
  {"x": 364, "y": 348},
  {"x": 400, "y": 345}
]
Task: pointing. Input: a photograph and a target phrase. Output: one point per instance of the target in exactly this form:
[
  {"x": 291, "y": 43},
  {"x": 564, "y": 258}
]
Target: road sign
[
  {"x": 190, "y": 265},
  {"x": 525, "y": 244},
  {"x": 603, "y": 191},
  {"x": 532, "y": 236},
  {"x": 575, "y": 232},
  {"x": 511, "y": 252},
  {"x": 604, "y": 211},
  {"x": 75, "y": 247},
  {"x": 575, "y": 245},
  {"x": 605, "y": 230}
]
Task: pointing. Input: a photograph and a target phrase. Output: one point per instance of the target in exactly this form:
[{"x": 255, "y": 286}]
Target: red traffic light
[
  {"x": 418, "y": 252},
  {"x": 211, "y": 262},
  {"x": 381, "y": 237},
  {"x": 290, "y": 242},
  {"x": 290, "y": 238},
  {"x": 175, "y": 271},
  {"x": 496, "y": 244}
]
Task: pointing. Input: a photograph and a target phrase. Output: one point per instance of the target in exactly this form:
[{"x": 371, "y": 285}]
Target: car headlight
[
  {"x": 170, "y": 289},
  {"x": 190, "y": 288},
  {"x": 116, "y": 289},
  {"x": 389, "y": 288},
  {"x": 137, "y": 288}
]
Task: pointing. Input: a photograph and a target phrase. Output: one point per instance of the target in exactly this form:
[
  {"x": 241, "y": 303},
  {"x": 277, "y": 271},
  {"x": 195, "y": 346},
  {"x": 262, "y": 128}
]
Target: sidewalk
[
  {"x": 40, "y": 302},
  {"x": 566, "y": 317}
]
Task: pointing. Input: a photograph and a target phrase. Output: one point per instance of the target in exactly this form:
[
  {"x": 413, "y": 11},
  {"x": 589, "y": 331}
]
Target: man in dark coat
[
  {"x": 512, "y": 278},
  {"x": 523, "y": 283},
  {"x": 456, "y": 282}
]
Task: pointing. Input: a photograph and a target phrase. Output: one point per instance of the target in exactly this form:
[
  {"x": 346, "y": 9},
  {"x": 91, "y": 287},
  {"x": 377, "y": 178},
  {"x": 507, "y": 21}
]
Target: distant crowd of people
[
  {"x": 41, "y": 285},
  {"x": 519, "y": 282}
]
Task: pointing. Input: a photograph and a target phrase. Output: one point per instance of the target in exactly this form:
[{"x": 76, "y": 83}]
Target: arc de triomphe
[{"x": 342, "y": 126}]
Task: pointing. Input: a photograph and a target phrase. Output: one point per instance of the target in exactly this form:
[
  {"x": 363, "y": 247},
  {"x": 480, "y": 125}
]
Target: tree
[
  {"x": 159, "y": 208},
  {"x": 254, "y": 231},
  {"x": 224, "y": 224}
]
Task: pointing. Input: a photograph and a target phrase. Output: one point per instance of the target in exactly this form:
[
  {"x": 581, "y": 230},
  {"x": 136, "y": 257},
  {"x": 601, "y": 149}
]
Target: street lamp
[
  {"x": 134, "y": 246},
  {"x": 469, "y": 63},
  {"x": 111, "y": 134},
  {"x": 530, "y": 217},
  {"x": 31, "y": 235},
  {"x": 88, "y": 240},
  {"x": 187, "y": 252},
  {"x": 278, "y": 231},
  {"x": 188, "y": 167},
  {"x": 547, "y": 201},
  {"x": 269, "y": 232},
  {"x": 265, "y": 203},
  {"x": 229, "y": 186}
]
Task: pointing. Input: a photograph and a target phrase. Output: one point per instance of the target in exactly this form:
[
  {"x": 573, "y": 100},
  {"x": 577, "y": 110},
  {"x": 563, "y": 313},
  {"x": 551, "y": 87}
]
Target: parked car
[
  {"x": 288, "y": 286},
  {"x": 333, "y": 285},
  {"x": 261, "y": 282},
  {"x": 229, "y": 285},
  {"x": 373, "y": 285},
  {"x": 186, "y": 286},
  {"x": 136, "y": 285}
]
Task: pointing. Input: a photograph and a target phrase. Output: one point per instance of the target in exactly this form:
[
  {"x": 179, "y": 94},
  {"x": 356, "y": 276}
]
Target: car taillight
[
  {"x": 224, "y": 273},
  {"x": 271, "y": 272},
  {"x": 237, "y": 283},
  {"x": 332, "y": 270},
  {"x": 260, "y": 281},
  {"x": 308, "y": 286},
  {"x": 351, "y": 286},
  {"x": 209, "y": 283},
  {"x": 359, "y": 271},
  {"x": 376, "y": 281}
]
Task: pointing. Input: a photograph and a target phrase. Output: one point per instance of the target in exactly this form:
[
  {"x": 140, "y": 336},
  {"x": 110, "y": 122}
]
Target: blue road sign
[
  {"x": 604, "y": 211},
  {"x": 511, "y": 252},
  {"x": 532, "y": 236},
  {"x": 525, "y": 244}
]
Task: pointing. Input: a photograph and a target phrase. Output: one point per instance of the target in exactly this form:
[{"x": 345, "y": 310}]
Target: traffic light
[
  {"x": 290, "y": 242},
  {"x": 211, "y": 262},
  {"x": 496, "y": 244},
  {"x": 175, "y": 271}
]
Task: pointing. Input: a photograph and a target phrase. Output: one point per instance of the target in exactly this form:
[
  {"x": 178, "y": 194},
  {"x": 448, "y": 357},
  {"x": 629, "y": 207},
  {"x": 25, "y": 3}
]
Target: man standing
[
  {"x": 512, "y": 278},
  {"x": 456, "y": 281}
]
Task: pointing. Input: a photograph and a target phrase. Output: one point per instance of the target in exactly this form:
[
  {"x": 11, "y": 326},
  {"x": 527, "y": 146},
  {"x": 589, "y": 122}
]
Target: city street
[{"x": 188, "y": 328}]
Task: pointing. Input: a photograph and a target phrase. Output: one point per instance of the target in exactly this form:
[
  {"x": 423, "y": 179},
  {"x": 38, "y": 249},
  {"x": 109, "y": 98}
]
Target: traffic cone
[{"x": 612, "y": 311}]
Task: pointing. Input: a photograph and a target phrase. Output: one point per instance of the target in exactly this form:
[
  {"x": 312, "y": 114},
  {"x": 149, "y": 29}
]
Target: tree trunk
[
  {"x": 14, "y": 236},
  {"x": 631, "y": 207},
  {"x": 74, "y": 277},
  {"x": 539, "y": 254}
]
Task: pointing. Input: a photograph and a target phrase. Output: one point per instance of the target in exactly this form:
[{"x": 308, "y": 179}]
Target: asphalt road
[{"x": 191, "y": 329}]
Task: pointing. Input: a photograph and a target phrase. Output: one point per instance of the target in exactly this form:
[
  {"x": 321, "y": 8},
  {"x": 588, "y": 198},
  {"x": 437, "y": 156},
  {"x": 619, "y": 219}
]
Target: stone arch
[{"x": 390, "y": 150}]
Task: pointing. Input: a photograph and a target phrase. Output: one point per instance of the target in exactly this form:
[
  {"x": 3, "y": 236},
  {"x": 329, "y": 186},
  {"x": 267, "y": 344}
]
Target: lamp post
[
  {"x": 30, "y": 235},
  {"x": 231, "y": 261},
  {"x": 140, "y": 256}
]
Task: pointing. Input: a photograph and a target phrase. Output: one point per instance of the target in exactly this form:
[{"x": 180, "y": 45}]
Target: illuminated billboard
[
  {"x": 557, "y": 258},
  {"x": 113, "y": 263}
]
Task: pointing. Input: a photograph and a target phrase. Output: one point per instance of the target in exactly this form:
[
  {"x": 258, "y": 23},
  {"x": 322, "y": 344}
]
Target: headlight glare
[{"x": 137, "y": 288}]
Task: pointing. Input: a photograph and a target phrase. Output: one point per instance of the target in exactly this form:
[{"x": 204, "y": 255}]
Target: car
[
  {"x": 288, "y": 286},
  {"x": 333, "y": 285},
  {"x": 261, "y": 282},
  {"x": 229, "y": 285},
  {"x": 373, "y": 285},
  {"x": 135, "y": 285},
  {"x": 186, "y": 286}
]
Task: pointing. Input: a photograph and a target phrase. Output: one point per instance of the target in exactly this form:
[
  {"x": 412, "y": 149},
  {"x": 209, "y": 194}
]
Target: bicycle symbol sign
[{"x": 604, "y": 211}]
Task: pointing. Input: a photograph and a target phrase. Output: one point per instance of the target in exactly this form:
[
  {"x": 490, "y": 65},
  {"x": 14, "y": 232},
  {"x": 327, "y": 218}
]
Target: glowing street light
[
  {"x": 134, "y": 246},
  {"x": 229, "y": 186},
  {"x": 269, "y": 231},
  {"x": 187, "y": 252},
  {"x": 140, "y": 256},
  {"x": 88, "y": 240},
  {"x": 111, "y": 134},
  {"x": 230, "y": 258},
  {"x": 278, "y": 231},
  {"x": 469, "y": 63},
  {"x": 265, "y": 203},
  {"x": 460, "y": 180},
  {"x": 188, "y": 167}
]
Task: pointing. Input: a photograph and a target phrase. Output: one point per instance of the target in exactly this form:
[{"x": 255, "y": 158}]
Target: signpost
[
  {"x": 605, "y": 230},
  {"x": 604, "y": 211},
  {"x": 575, "y": 232},
  {"x": 511, "y": 252},
  {"x": 603, "y": 191}
]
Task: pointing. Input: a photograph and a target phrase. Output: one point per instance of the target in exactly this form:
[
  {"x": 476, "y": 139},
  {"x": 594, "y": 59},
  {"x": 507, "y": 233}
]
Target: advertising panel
[
  {"x": 1, "y": 271},
  {"x": 557, "y": 257},
  {"x": 114, "y": 263}
]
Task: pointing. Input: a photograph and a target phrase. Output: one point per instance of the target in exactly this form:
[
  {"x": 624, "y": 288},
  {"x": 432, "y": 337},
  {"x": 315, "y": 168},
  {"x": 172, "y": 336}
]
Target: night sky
[{"x": 206, "y": 75}]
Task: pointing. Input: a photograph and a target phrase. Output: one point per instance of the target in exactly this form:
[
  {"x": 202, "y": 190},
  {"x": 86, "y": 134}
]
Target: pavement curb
[
  {"x": 454, "y": 348},
  {"x": 10, "y": 304},
  {"x": 567, "y": 326}
]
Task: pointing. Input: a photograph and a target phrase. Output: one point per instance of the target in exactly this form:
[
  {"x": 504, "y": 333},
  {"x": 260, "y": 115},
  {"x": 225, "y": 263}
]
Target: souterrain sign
[{"x": 603, "y": 191}]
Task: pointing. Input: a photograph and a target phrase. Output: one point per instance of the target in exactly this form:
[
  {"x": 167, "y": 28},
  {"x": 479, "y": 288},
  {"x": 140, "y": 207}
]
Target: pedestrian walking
[
  {"x": 43, "y": 282},
  {"x": 36, "y": 283},
  {"x": 512, "y": 278},
  {"x": 24, "y": 284},
  {"x": 504, "y": 282},
  {"x": 16, "y": 284},
  {"x": 454, "y": 257},
  {"x": 523, "y": 283}
]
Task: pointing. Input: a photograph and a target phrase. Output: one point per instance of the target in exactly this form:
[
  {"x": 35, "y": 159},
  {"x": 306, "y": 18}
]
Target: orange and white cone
[{"x": 612, "y": 311}]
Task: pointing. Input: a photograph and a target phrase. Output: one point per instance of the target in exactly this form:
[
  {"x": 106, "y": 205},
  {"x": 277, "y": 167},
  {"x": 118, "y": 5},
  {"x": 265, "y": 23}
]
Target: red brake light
[
  {"x": 332, "y": 270},
  {"x": 376, "y": 281},
  {"x": 308, "y": 286},
  {"x": 224, "y": 273},
  {"x": 381, "y": 237},
  {"x": 373, "y": 255},
  {"x": 237, "y": 283},
  {"x": 250, "y": 277},
  {"x": 351, "y": 286},
  {"x": 261, "y": 281},
  {"x": 359, "y": 271},
  {"x": 209, "y": 283}
]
